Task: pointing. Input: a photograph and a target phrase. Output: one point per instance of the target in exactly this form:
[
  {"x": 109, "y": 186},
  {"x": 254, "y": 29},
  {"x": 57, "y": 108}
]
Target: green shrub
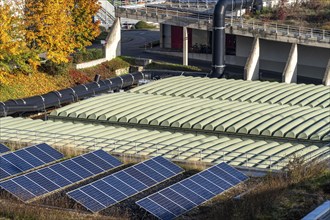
[
  {"x": 55, "y": 68},
  {"x": 144, "y": 25},
  {"x": 88, "y": 55},
  {"x": 116, "y": 64}
]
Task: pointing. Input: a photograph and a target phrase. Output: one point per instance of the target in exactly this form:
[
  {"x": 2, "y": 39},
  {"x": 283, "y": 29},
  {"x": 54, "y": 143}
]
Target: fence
[
  {"x": 148, "y": 149},
  {"x": 161, "y": 14}
]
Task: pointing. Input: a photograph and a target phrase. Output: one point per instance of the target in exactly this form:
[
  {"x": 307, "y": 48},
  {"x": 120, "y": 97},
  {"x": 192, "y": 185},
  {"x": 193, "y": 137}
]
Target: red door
[{"x": 177, "y": 37}]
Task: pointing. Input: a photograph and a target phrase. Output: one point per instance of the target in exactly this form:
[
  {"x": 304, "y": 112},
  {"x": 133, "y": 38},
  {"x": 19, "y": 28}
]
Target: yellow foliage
[{"x": 13, "y": 86}]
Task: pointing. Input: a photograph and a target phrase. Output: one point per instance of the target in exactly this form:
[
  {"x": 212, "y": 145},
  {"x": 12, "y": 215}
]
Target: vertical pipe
[
  {"x": 219, "y": 35},
  {"x": 185, "y": 46}
]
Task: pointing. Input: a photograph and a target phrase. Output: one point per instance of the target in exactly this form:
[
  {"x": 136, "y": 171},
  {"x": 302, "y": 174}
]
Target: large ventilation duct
[
  {"x": 219, "y": 34},
  {"x": 69, "y": 95}
]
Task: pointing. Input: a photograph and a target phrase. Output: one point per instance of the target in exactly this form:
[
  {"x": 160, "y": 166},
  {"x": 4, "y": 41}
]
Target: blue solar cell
[
  {"x": 91, "y": 204},
  {"x": 88, "y": 165},
  {"x": 164, "y": 171},
  {"x": 168, "y": 164},
  {"x": 15, "y": 189},
  {"x": 50, "y": 151},
  {"x": 207, "y": 184},
  {"x": 3, "y": 173},
  {"x": 32, "y": 187},
  {"x": 40, "y": 154},
  {"x": 100, "y": 197},
  {"x": 115, "y": 194},
  {"x": 3, "y": 148},
  {"x": 9, "y": 167},
  {"x": 54, "y": 177},
  {"x": 69, "y": 175},
  {"x": 124, "y": 186},
  {"x": 137, "y": 185},
  {"x": 128, "y": 182},
  {"x": 107, "y": 158},
  {"x": 177, "y": 198},
  {"x": 232, "y": 171},
  {"x": 219, "y": 172},
  {"x": 140, "y": 176},
  {"x": 156, "y": 209},
  {"x": 151, "y": 172},
  {"x": 167, "y": 204},
  {"x": 49, "y": 179},
  {"x": 98, "y": 161},
  {"x": 197, "y": 189},
  {"x": 189, "y": 193},
  {"x": 223, "y": 183},
  {"x": 34, "y": 161},
  {"x": 77, "y": 168},
  {"x": 42, "y": 181},
  {"x": 19, "y": 163}
]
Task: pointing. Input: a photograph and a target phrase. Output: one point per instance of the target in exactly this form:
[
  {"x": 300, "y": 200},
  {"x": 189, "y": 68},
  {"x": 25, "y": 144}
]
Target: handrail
[
  {"x": 272, "y": 162},
  {"x": 270, "y": 27}
]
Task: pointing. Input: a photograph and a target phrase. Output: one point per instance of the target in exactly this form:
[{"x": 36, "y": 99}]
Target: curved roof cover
[
  {"x": 181, "y": 146},
  {"x": 230, "y": 106},
  {"x": 240, "y": 90}
]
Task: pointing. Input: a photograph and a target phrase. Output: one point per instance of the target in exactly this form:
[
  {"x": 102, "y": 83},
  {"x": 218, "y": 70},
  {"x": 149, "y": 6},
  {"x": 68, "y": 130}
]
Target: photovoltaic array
[
  {"x": 183, "y": 196},
  {"x": 46, "y": 180},
  {"x": 121, "y": 185},
  {"x": 3, "y": 148},
  {"x": 27, "y": 158}
]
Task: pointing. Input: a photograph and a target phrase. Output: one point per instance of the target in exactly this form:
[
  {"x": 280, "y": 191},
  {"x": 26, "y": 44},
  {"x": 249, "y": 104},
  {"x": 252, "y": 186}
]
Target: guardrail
[
  {"x": 161, "y": 14},
  {"x": 146, "y": 149}
]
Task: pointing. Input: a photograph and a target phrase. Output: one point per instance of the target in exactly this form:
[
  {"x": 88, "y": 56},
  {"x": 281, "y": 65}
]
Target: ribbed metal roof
[
  {"x": 266, "y": 119},
  {"x": 236, "y": 151},
  {"x": 240, "y": 90}
]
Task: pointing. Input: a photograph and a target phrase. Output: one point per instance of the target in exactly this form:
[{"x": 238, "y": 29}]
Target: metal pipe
[
  {"x": 69, "y": 95},
  {"x": 219, "y": 34}
]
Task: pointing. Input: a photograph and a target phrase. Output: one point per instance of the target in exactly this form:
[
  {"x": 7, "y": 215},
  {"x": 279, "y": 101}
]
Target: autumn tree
[
  {"x": 84, "y": 29},
  {"x": 54, "y": 28},
  {"x": 49, "y": 28},
  {"x": 14, "y": 52}
]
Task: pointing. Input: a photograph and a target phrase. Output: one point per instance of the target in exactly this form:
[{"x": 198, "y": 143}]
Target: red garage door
[{"x": 177, "y": 37}]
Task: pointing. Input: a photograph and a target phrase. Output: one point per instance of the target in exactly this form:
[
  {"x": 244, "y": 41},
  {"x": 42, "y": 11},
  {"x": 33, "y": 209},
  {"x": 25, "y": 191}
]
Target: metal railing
[
  {"x": 161, "y": 14},
  {"x": 147, "y": 149}
]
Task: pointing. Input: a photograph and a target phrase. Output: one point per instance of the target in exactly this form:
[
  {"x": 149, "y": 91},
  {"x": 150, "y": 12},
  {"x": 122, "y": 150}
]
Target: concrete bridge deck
[{"x": 203, "y": 21}]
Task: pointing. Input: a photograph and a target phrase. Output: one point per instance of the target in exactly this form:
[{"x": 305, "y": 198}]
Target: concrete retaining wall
[{"x": 90, "y": 63}]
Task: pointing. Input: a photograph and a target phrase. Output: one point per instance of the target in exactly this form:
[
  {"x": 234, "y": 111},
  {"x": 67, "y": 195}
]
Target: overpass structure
[
  {"x": 187, "y": 17},
  {"x": 253, "y": 45}
]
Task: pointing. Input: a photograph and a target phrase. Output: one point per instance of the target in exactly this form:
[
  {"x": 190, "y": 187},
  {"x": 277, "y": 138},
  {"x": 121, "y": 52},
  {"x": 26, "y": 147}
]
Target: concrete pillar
[
  {"x": 113, "y": 41},
  {"x": 185, "y": 46},
  {"x": 290, "y": 70},
  {"x": 326, "y": 78},
  {"x": 161, "y": 37},
  {"x": 251, "y": 69}
]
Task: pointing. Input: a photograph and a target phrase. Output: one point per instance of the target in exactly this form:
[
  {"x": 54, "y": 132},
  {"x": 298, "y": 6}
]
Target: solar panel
[
  {"x": 121, "y": 185},
  {"x": 46, "y": 180},
  {"x": 27, "y": 158},
  {"x": 183, "y": 196},
  {"x": 3, "y": 148}
]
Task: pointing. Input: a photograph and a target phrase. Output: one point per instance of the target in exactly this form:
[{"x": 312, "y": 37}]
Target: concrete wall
[
  {"x": 312, "y": 61},
  {"x": 273, "y": 55},
  {"x": 113, "y": 41},
  {"x": 90, "y": 63}
]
